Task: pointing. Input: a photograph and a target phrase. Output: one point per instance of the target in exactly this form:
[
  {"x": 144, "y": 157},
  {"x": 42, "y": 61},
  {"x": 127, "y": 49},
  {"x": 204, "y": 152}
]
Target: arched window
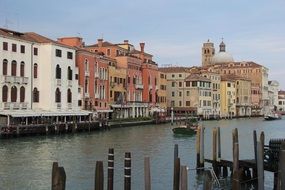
[
  {"x": 35, "y": 70},
  {"x": 69, "y": 96},
  {"x": 22, "y": 69},
  {"x": 69, "y": 73},
  {"x": 14, "y": 94},
  {"x": 5, "y": 67},
  {"x": 86, "y": 65},
  {"x": 4, "y": 93},
  {"x": 22, "y": 94},
  {"x": 150, "y": 96},
  {"x": 14, "y": 68},
  {"x": 36, "y": 95},
  {"x": 58, "y": 72},
  {"x": 57, "y": 96}
]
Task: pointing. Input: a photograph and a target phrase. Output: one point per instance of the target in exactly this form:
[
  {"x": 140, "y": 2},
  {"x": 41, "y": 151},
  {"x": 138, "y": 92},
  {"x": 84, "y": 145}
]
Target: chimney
[
  {"x": 100, "y": 42},
  {"x": 126, "y": 41},
  {"x": 142, "y": 52},
  {"x": 142, "y": 47}
]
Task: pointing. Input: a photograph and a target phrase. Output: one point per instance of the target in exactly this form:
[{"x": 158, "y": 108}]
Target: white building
[
  {"x": 273, "y": 87},
  {"x": 38, "y": 78}
]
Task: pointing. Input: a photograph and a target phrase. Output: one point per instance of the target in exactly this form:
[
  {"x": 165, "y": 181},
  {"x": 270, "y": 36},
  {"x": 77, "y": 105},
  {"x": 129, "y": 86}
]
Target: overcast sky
[{"x": 172, "y": 30}]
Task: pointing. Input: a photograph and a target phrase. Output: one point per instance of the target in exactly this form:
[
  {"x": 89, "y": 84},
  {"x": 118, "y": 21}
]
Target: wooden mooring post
[
  {"x": 214, "y": 151},
  {"x": 281, "y": 168},
  {"x": 99, "y": 176},
  {"x": 58, "y": 178},
  {"x": 176, "y": 174},
  {"x": 127, "y": 178},
  {"x": 254, "y": 170},
  {"x": 147, "y": 177},
  {"x": 110, "y": 184},
  {"x": 183, "y": 178},
  {"x": 236, "y": 175}
]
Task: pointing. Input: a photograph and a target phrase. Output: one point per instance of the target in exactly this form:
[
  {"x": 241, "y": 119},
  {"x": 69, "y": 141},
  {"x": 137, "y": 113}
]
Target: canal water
[{"x": 25, "y": 163}]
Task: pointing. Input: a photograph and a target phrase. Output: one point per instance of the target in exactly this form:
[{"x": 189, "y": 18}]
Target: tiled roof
[
  {"x": 197, "y": 77},
  {"x": 175, "y": 69},
  {"x": 104, "y": 44}
]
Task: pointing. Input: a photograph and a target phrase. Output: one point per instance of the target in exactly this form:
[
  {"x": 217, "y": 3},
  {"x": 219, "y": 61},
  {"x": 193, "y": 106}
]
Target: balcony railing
[
  {"x": 58, "y": 82},
  {"x": 97, "y": 95},
  {"x": 58, "y": 105},
  {"x": 7, "y": 105},
  {"x": 69, "y": 106},
  {"x": 139, "y": 86},
  {"x": 96, "y": 75},
  {"x": 86, "y": 95},
  {"x": 24, "y": 105},
  {"x": 15, "y": 79},
  {"x": 69, "y": 83},
  {"x": 87, "y": 74},
  {"x": 16, "y": 105}
]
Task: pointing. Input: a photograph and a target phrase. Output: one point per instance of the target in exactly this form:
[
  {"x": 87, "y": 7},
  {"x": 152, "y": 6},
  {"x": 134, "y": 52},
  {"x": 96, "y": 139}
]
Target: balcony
[
  {"x": 16, "y": 105},
  {"x": 87, "y": 74},
  {"x": 24, "y": 105},
  {"x": 96, "y": 75},
  {"x": 97, "y": 95},
  {"x": 86, "y": 94},
  {"x": 156, "y": 87},
  {"x": 112, "y": 84},
  {"x": 7, "y": 105},
  {"x": 58, "y": 105},
  {"x": 139, "y": 86},
  {"x": 69, "y": 83},
  {"x": 18, "y": 80},
  {"x": 69, "y": 106},
  {"x": 58, "y": 82},
  {"x": 8, "y": 79},
  {"x": 25, "y": 80}
]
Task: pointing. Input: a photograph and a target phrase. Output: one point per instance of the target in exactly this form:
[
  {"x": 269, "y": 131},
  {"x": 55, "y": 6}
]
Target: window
[
  {"x": 187, "y": 103},
  {"x": 69, "y": 55},
  {"x": 14, "y": 68},
  {"x": 172, "y": 103},
  {"x": 76, "y": 76},
  {"x": 173, "y": 84},
  {"x": 57, "y": 96},
  {"x": 5, "y": 46},
  {"x": 188, "y": 93},
  {"x": 58, "y": 53},
  {"x": 35, "y": 70},
  {"x": 22, "y": 69},
  {"x": 187, "y": 84},
  {"x": 180, "y": 75},
  {"x": 69, "y": 96},
  {"x": 4, "y": 93},
  {"x": 14, "y": 94},
  {"x": 69, "y": 73},
  {"x": 80, "y": 103},
  {"x": 58, "y": 72},
  {"x": 111, "y": 93},
  {"x": 180, "y": 103},
  {"x": 36, "y": 95},
  {"x": 172, "y": 94},
  {"x": 173, "y": 76},
  {"x": 180, "y": 93},
  {"x": 161, "y": 76},
  {"x": 22, "y": 94},
  {"x": 5, "y": 67},
  {"x": 108, "y": 52},
  {"x": 35, "y": 51},
  {"x": 14, "y": 47},
  {"x": 22, "y": 49},
  {"x": 194, "y": 84},
  {"x": 229, "y": 84}
]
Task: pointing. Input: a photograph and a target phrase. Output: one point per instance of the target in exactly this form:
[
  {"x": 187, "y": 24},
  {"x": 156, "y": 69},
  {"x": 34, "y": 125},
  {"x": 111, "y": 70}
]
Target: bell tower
[{"x": 208, "y": 51}]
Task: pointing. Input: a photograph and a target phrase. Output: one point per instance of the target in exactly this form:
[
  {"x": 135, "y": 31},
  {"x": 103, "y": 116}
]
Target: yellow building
[
  {"x": 161, "y": 92},
  {"x": 228, "y": 97},
  {"x": 243, "y": 96}
]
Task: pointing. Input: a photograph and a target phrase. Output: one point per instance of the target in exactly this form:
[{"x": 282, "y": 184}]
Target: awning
[{"x": 32, "y": 113}]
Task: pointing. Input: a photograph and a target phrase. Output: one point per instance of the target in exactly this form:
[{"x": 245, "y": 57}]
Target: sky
[{"x": 173, "y": 31}]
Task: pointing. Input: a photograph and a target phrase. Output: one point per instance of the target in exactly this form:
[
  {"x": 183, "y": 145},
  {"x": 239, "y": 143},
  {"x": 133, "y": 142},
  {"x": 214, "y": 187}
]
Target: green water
[{"x": 25, "y": 163}]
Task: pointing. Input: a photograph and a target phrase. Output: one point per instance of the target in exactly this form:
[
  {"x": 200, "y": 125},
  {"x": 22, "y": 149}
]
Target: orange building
[
  {"x": 92, "y": 77},
  {"x": 141, "y": 73}
]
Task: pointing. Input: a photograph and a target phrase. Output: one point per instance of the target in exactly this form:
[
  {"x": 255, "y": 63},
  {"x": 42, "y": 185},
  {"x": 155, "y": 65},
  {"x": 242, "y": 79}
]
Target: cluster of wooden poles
[{"x": 244, "y": 173}]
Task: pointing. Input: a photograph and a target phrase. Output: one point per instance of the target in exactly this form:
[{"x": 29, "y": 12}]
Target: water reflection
[{"x": 26, "y": 162}]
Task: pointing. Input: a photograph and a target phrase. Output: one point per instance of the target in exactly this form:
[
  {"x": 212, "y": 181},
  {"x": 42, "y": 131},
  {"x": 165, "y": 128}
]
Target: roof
[
  {"x": 197, "y": 77},
  {"x": 175, "y": 69},
  {"x": 104, "y": 44}
]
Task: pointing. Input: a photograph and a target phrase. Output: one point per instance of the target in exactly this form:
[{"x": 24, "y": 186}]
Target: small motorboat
[
  {"x": 272, "y": 116},
  {"x": 184, "y": 130}
]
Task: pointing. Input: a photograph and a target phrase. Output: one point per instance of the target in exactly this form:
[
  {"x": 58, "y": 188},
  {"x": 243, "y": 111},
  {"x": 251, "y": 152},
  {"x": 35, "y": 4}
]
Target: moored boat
[
  {"x": 184, "y": 130},
  {"x": 273, "y": 116}
]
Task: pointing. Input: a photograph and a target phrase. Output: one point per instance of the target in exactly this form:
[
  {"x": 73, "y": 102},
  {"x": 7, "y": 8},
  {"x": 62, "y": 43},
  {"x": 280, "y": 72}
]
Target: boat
[
  {"x": 272, "y": 116},
  {"x": 189, "y": 129},
  {"x": 184, "y": 130}
]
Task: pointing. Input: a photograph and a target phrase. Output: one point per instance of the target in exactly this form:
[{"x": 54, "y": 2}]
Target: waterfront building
[
  {"x": 216, "y": 92},
  {"x": 92, "y": 78},
  {"x": 228, "y": 97},
  {"x": 137, "y": 101},
  {"x": 199, "y": 94},
  {"x": 281, "y": 101},
  {"x": 273, "y": 87},
  {"x": 39, "y": 79},
  {"x": 224, "y": 63},
  {"x": 162, "y": 92}
]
